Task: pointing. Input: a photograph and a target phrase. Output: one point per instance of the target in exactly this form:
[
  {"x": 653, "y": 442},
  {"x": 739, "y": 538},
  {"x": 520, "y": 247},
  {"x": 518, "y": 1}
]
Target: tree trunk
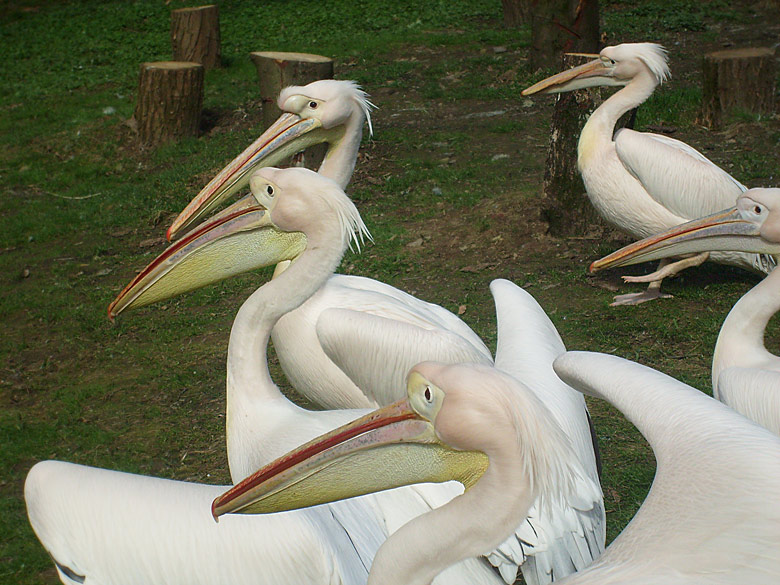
[
  {"x": 738, "y": 79},
  {"x": 195, "y": 35},
  {"x": 170, "y": 97},
  {"x": 569, "y": 26},
  {"x": 559, "y": 26},
  {"x": 567, "y": 209},
  {"x": 275, "y": 71},
  {"x": 516, "y": 12}
]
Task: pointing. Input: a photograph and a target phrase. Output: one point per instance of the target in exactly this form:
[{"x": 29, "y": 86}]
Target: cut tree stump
[
  {"x": 195, "y": 35},
  {"x": 170, "y": 98},
  {"x": 277, "y": 70},
  {"x": 737, "y": 79}
]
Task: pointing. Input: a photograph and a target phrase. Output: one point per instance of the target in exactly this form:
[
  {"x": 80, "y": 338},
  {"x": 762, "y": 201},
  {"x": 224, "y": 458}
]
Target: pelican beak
[
  {"x": 388, "y": 448},
  {"x": 591, "y": 74},
  {"x": 723, "y": 231},
  {"x": 238, "y": 239},
  {"x": 285, "y": 137}
]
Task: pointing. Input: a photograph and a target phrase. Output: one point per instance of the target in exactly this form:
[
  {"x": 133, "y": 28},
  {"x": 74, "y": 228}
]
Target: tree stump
[
  {"x": 737, "y": 79},
  {"x": 170, "y": 97},
  {"x": 195, "y": 35},
  {"x": 275, "y": 71}
]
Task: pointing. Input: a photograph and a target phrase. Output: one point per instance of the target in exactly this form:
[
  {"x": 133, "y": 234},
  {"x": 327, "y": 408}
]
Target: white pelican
[
  {"x": 639, "y": 182},
  {"x": 77, "y": 528},
  {"x": 345, "y": 308},
  {"x": 261, "y": 424},
  {"x": 705, "y": 521},
  {"x": 744, "y": 374}
]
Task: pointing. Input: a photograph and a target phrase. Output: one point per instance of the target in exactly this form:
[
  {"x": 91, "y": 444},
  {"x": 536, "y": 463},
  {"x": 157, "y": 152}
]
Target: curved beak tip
[
  {"x": 169, "y": 234},
  {"x": 214, "y": 513},
  {"x": 592, "y": 268}
]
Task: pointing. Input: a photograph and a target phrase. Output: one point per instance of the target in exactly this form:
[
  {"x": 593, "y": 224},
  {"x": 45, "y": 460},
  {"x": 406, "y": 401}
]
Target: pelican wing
[
  {"x": 115, "y": 528},
  {"x": 316, "y": 376},
  {"x": 676, "y": 176},
  {"x": 706, "y": 513},
  {"x": 570, "y": 536},
  {"x": 754, "y": 393},
  {"x": 376, "y": 352}
]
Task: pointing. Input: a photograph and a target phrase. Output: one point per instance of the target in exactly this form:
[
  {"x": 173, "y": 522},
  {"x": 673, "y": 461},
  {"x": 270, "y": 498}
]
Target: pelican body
[
  {"x": 639, "y": 182},
  {"x": 745, "y": 375}
]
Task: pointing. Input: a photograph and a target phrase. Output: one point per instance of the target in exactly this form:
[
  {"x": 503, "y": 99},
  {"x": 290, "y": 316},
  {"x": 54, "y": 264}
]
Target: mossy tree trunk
[
  {"x": 169, "y": 102},
  {"x": 195, "y": 35},
  {"x": 560, "y": 26},
  {"x": 516, "y": 12}
]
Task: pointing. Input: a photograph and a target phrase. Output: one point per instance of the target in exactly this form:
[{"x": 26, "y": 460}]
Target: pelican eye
[
  {"x": 757, "y": 210},
  {"x": 428, "y": 394},
  {"x": 269, "y": 190},
  {"x": 313, "y": 105}
]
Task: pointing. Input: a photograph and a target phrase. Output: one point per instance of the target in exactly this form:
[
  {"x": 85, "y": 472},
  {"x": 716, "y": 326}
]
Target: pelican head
[
  {"x": 417, "y": 439},
  {"x": 318, "y": 112},
  {"x": 753, "y": 226},
  {"x": 614, "y": 66},
  {"x": 268, "y": 226}
]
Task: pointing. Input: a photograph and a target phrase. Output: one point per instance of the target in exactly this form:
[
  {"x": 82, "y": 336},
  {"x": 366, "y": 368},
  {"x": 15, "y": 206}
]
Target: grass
[{"x": 82, "y": 208}]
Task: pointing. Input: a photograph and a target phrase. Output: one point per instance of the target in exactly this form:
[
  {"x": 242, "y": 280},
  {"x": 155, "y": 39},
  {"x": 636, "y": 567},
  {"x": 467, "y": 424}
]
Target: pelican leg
[
  {"x": 653, "y": 292},
  {"x": 665, "y": 269}
]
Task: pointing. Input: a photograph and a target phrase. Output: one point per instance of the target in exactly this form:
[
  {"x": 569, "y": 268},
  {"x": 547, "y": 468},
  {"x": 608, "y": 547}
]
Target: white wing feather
[
  {"x": 706, "y": 515},
  {"x": 569, "y": 537},
  {"x": 377, "y": 352},
  {"x": 314, "y": 374},
  {"x": 676, "y": 176},
  {"x": 117, "y": 528}
]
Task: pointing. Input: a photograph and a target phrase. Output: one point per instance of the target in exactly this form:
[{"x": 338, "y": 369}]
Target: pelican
[
  {"x": 76, "y": 524},
  {"x": 261, "y": 424},
  {"x": 345, "y": 308},
  {"x": 744, "y": 374},
  {"x": 704, "y": 522},
  {"x": 639, "y": 182}
]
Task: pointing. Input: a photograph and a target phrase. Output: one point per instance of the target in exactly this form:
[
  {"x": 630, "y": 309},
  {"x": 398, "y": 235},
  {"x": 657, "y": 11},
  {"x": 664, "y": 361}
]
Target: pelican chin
[{"x": 214, "y": 251}]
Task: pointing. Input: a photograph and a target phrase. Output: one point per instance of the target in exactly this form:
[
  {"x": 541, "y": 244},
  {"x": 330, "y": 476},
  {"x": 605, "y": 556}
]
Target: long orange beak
[
  {"x": 726, "y": 230},
  {"x": 591, "y": 74},
  {"x": 285, "y": 137}
]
